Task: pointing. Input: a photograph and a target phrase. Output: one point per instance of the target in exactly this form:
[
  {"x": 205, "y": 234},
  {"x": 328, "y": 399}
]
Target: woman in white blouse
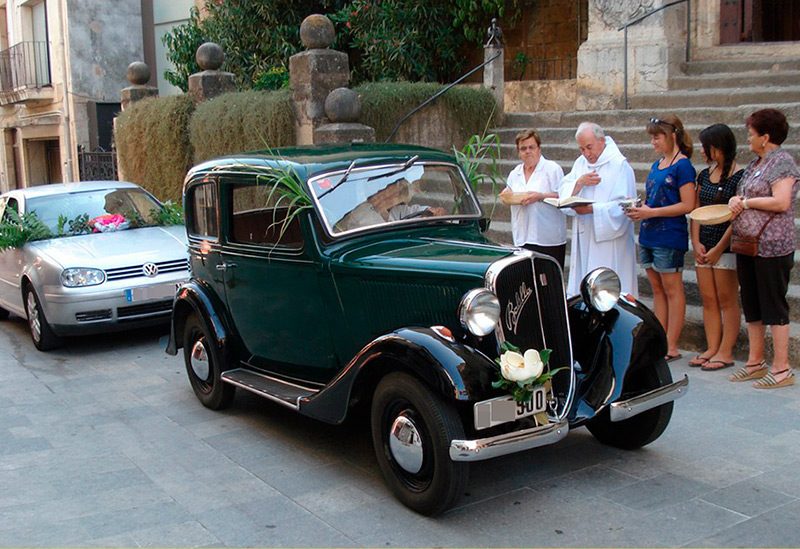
[{"x": 535, "y": 225}]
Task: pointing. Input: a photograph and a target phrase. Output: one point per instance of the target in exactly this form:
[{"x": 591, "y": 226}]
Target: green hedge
[
  {"x": 159, "y": 139},
  {"x": 244, "y": 121},
  {"x": 383, "y": 104},
  {"x": 153, "y": 147}
]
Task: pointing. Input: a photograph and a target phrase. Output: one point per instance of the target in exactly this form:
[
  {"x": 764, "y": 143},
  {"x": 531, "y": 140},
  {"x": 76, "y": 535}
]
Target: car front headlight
[
  {"x": 601, "y": 288},
  {"x": 479, "y": 311},
  {"x": 77, "y": 277}
]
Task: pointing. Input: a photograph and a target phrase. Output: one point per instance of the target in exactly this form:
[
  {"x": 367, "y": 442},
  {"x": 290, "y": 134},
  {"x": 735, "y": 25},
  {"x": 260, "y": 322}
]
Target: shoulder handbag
[{"x": 748, "y": 245}]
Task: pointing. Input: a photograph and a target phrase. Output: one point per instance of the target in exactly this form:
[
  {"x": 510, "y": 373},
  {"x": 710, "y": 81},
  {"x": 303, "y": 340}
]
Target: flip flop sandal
[
  {"x": 671, "y": 358},
  {"x": 698, "y": 361},
  {"x": 743, "y": 374},
  {"x": 769, "y": 381},
  {"x": 712, "y": 365}
]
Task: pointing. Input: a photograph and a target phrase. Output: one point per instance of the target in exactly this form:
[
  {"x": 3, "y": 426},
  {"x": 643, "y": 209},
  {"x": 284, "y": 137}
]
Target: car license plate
[
  {"x": 159, "y": 291},
  {"x": 504, "y": 409}
]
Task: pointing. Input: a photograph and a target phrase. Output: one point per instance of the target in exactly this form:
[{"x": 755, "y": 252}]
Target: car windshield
[
  {"x": 361, "y": 198},
  {"x": 94, "y": 211}
]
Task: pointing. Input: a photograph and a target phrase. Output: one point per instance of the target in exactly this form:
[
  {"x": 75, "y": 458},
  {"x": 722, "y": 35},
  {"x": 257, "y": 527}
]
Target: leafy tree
[{"x": 417, "y": 40}]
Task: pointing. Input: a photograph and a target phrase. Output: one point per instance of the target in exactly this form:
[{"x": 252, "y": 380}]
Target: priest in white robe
[{"x": 602, "y": 236}]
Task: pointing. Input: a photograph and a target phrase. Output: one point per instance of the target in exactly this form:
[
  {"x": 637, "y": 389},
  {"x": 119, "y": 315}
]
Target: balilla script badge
[
  {"x": 150, "y": 269},
  {"x": 514, "y": 309}
]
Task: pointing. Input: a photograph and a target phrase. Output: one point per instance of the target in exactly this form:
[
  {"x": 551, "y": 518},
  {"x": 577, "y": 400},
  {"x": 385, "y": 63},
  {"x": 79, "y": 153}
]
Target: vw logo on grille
[{"x": 150, "y": 269}]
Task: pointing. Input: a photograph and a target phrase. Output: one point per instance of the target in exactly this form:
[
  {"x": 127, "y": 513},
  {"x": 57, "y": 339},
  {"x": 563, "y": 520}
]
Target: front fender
[
  {"x": 608, "y": 346},
  {"x": 458, "y": 372},
  {"x": 190, "y": 298}
]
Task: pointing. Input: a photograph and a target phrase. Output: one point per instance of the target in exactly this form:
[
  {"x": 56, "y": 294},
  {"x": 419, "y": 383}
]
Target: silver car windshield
[
  {"x": 58, "y": 211},
  {"x": 362, "y": 198}
]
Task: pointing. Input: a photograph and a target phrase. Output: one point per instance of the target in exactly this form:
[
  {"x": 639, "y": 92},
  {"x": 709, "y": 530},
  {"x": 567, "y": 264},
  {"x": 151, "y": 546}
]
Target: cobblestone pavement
[{"x": 102, "y": 443}]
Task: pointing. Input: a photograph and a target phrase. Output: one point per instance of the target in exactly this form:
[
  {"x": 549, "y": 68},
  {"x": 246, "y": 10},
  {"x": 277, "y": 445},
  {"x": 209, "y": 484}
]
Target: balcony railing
[{"x": 25, "y": 65}]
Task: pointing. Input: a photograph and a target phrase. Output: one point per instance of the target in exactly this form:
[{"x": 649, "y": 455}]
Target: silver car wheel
[
  {"x": 405, "y": 444},
  {"x": 33, "y": 317},
  {"x": 199, "y": 360}
]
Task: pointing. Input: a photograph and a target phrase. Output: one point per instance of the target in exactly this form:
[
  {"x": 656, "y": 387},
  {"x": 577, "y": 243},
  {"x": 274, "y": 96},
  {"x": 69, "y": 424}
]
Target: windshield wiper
[
  {"x": 403, "y": 168},
  {"x": 342, "y": 180}
]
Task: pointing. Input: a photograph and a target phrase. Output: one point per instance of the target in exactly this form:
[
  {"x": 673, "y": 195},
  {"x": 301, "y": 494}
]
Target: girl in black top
[{"x": 714, "y": 262}]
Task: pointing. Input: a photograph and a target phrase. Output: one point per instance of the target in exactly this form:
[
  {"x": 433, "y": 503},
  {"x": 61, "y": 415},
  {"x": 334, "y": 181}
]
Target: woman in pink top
[{"x": 764, "y": 204}]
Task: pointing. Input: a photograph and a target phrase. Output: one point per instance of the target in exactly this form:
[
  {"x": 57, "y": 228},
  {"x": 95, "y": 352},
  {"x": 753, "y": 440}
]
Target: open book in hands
[{"x": 569, "y": 202}]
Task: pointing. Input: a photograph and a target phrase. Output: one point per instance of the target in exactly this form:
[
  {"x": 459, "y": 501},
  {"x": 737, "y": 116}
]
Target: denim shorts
[{"x": 661, "y": 260}]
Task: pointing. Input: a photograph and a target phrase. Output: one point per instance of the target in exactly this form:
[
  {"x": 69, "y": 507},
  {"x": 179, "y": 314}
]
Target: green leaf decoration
[
  {"x": 544, "y": 354},
  {"x": 507, "y": 346},
  {"x": 18, "y": 229}
]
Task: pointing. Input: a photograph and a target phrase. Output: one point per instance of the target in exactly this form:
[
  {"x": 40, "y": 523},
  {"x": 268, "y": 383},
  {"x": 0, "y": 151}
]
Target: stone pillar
[
  {"x": 493, "y": 73},
  {"x": 138, "y": 74},
  {"x": 343, "y": 109},
  {"x": 211, "y": 82},
  {"x": 313, "y": 74},
  {"x": 656, "y": 49}
]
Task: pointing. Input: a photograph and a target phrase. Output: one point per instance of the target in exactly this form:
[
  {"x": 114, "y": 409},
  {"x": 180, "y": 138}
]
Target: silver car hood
[{"x": 116, "y": 249}]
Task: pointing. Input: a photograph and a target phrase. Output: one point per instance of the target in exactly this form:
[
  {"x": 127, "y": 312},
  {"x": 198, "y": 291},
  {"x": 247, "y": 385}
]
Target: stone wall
[
  {"x": 541, "y": 95},
  {"x": 656, "y": 49}
]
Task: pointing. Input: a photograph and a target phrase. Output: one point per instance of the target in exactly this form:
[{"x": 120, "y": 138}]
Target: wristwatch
[{"x": 744, "y": 204}]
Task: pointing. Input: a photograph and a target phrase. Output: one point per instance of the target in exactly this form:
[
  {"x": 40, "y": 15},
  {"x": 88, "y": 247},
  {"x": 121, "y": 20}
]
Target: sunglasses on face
[{"x": 670, "y": 124}]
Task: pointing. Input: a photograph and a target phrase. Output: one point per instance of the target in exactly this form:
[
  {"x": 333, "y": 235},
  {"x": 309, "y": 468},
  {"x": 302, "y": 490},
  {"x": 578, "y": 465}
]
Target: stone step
[
  {"x": 755, "y": 79},
  {"x": 740, "y": 66},
  {"x": 637, "y": 117},
  {"x": 641, "y": 152},
  {"x": 634, "y": 134},
  {"x": 722, "y": 97}
]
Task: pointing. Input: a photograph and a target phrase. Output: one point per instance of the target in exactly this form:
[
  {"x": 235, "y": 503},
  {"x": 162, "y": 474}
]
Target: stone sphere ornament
[
  {"x": 138, "y": 73},
  {"x": 210, "y": 56},
  {"x": 316, "y": 32},
  {"x": 343, "y": 105}
]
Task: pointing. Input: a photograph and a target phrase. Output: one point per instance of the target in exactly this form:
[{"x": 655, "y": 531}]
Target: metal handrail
[
  {"x": 440, "y": 92},
  {"x": 645, "y": 16}
]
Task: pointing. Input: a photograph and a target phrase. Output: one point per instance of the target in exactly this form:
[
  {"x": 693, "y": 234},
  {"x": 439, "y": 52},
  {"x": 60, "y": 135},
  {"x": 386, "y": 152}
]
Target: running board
[{"x": 282, "y": 392}]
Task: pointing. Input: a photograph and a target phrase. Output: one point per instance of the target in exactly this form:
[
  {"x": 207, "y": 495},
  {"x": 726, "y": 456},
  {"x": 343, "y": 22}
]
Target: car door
[
  {"x": 202, "y": 215},
  {"x": 11, "y": 265},
  {"x": 272, "y": 285}
]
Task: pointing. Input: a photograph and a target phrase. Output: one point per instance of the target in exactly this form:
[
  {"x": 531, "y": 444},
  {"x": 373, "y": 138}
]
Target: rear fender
[
  {"x": 458, "y": 372},
  {"x": 194, "y": 298},
  {"x": 608, "y": 347}
]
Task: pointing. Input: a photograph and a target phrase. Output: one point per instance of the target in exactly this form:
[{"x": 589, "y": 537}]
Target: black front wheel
[
  {"x": 41, "y": 333},
  {"x": 412, "y": 428},
  {"x": 641, "y": 429},
  {"x": 205, "y": 365}
]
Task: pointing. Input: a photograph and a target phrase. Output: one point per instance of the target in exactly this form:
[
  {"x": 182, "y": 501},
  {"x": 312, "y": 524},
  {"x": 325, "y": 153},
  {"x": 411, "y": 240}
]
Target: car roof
[
  {"x": 61, "y": 188},
  {"x": 310, "y": 160}
]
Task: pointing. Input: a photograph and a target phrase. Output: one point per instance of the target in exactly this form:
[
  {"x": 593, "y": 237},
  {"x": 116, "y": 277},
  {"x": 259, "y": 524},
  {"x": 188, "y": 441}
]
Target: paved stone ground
[{"x": 103, "y": 444}]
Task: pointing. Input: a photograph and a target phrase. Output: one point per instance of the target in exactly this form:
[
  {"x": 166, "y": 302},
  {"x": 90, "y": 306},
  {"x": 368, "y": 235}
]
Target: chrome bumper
[
  {"x": 625, "y": 409},
  {"x": 486, "y": 448}
]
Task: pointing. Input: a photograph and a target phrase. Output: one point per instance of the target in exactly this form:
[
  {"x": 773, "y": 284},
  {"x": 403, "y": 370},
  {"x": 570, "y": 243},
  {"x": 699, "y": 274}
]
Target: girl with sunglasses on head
[
  {"x": 714, "y": 262},
  {"x": 664, "y": 233}
]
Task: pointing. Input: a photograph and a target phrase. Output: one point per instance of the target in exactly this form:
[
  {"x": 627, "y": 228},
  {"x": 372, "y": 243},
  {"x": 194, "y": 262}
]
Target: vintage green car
[{"x": 323, "y": 278}]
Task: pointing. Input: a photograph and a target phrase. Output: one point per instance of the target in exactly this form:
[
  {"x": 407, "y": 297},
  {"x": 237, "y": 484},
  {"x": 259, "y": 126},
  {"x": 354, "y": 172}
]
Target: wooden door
[{"x": 730, "y": 21}]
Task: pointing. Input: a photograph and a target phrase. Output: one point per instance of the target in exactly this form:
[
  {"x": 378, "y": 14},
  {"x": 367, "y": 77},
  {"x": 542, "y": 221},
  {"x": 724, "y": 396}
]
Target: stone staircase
[{"x": 708, "y": 92}]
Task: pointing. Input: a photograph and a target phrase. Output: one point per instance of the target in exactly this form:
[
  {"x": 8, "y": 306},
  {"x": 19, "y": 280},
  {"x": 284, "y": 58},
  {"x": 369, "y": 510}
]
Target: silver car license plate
[
  {"x": 504, "y": 409},
  {"x": 159, "y": 291}
]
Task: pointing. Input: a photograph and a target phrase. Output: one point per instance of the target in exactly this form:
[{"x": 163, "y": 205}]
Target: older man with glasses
[{"x": 602, "y": 235}]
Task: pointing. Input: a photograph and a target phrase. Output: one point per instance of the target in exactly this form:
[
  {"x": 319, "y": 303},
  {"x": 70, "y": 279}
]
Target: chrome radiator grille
[
  {"x": 533, "y": 311},
  {"x": 134, "y": 271}
]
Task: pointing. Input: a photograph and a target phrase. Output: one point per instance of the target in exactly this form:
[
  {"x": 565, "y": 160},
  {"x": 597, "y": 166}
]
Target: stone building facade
[{"x": 62, "y": 67}]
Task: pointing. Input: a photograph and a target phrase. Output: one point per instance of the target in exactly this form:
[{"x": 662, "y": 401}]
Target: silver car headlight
[
  {"x": 601, "y": 288},
  {"x": 479, "y": 311},
  {"x": 77, "y": 277}
]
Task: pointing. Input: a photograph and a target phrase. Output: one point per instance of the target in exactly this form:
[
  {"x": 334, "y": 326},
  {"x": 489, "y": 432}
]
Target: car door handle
[{"x": 225, "y": 266}]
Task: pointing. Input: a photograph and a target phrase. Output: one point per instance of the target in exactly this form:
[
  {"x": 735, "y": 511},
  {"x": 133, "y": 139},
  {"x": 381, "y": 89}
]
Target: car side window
[
  {"x": 259, "y": 216},
  {"x": 203, "y": 211},
  {"x": 11, "y": 204}
]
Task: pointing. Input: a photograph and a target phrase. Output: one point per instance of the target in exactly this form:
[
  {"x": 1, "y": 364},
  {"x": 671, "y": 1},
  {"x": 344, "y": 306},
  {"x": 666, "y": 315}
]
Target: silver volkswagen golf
[{"x": 99, "y": 263}]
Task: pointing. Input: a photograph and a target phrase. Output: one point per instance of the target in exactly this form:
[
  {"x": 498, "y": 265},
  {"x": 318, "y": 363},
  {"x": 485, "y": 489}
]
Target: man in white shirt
[{"x": 602, "y": 235}]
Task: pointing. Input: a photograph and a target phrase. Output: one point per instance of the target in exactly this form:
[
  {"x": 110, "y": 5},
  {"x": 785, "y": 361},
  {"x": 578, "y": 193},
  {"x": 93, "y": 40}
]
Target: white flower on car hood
[{"x": 516, "y": 367}]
